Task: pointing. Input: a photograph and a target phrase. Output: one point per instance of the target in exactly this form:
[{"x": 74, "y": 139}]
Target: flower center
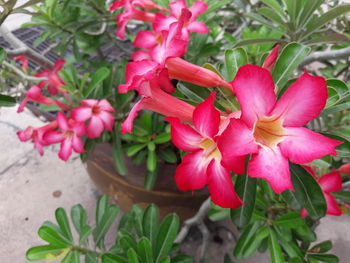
[
  {"x": 95, "y": 110},
  {"x": 269, "y": 132},
  {"x": 210, "y": 148},
  {"x": 69, "y": 134},
  {"x": 159, "y": 39}
]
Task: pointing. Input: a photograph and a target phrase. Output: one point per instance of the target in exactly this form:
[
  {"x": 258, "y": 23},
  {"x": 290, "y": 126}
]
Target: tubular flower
[
  {"x": 162, "y": 45},
  {"x": 203, "y": 165},
  {"x": 36, "y": 135},
  {"x": 34, "y": 94},
  {"x": 54, "y": 81},
  {"x": 329, "y": 183},
  {"x": 182, "y": 70},
  {"x": 130, "y": 12},
  {"x": 272, "y": 131},
  {"x": 24, "y": 62},
  {"x": 99, "y": 114},
  {"x": 68, "y": 136},
  {"x": 163, "y": 22},
  {"x": 270, "y": 61}
]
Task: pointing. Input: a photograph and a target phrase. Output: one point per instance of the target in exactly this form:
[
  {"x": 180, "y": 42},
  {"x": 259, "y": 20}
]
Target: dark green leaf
[
  {"x": 144, "y": 250},
  {"x": 53, "y": 236},
  {"x": 289, "y": 220},
  {"x": 292, "y": 249},
  {"x": 168, "y": 155},
  {"x": 42, "y": 252},
  {"x": 327, "y": 258},
  {"x": 132, "y": 150},
  {"x": 96, "y": 79},
  {"x": 254, "y": 41},
  {"x": 62, "y": 220},
  {"x": 322, "y": 247},
  {"x": 150, "y": 223},
  {"x": 275, "y": 248},
  {"x": 109, "y": 258},
  {"x": 3, "y": 55},
  {"x": 7, "y": 101},
  {"x": 118, "y": 155},
  {"x": 166, "y": 236},
  {"x": 234, "y": 59},
  {"x": 343, "y": 196},
  {"x": 275, "y": 6},
  {"x": 248, "y": 242},
  {"x": 182, "y": 259}
]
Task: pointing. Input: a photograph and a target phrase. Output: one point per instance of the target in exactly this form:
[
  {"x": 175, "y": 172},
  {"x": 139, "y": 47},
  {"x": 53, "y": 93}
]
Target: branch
[
  {"x": 326, "y": 55},
  {"x": 98, "y": 32},
  {"x": 22, "y": 49},
  {"x": 22, "y": 74}
]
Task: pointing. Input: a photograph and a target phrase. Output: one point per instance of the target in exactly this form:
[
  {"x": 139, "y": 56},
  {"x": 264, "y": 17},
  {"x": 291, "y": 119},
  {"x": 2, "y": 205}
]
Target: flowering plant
[{"x": 248, "y": 131}]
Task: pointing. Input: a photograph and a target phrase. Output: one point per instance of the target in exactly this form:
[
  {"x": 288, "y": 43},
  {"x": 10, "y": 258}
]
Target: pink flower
[
  {"x": 272, "y": 131},
  {"x": 34, "y": 94},
  {"x": 160, "y": 46},
  {"x": 68, "y": 136},
  {"x": 182, "y": 70},
  {"x": 329, "y": 183},
  {"x": 345, "y": 168},
  {"x": 162, "y": 103},
  {"x": 203, "y": 165},
  {"x": 163, "y": 22},
  {"x": 54, "y": 81},
  {"x": 24, "y": 62},
  {"x": 99, "y": 114},
  {"x": 130, "y": 12},
  {"x": 36, "y": 135},
  {"x": 270, "y": 61}
]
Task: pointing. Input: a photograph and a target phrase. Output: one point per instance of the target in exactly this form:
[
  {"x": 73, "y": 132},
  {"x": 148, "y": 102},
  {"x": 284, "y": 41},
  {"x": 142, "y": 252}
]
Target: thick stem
[
  {"x": 22, "y": 74},
  {"x": 326, "y": 55}
]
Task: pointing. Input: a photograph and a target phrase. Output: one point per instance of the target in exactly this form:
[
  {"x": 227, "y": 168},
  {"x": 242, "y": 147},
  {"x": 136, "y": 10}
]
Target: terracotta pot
[{"x": 128, "y": 190}]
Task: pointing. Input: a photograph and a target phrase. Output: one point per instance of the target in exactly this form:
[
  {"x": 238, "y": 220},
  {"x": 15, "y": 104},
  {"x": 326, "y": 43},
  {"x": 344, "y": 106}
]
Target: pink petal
[
  {"x": 206, "y": 118},
  {"x": 89, "y": 103},
  {"x": 116, "y": 4},
  {"x": 62, "y": 121},
  {"x": 22, "y": 105},
  {"x": 164, "y": 81},
  {"x": 272, "y": 166},
  {"x": 235, "y": 164},
  {"x": 94, "y": 127},
  {"x": 145, "y": 39},
  {"x": 81, "y": 113},
  {"x": 331, "y": 182},
  {"x": 222, "y": 191},
  {"x": 52, "y": 137},
  {"x": 270, "y": 61},
  {"x": 303, "y": 212},
  {"x": 66, "y": 149},
  {"x": 176, "y": 7},
  {"x": 162, "y": 22},
  {"x": 140, "y": 55},
  {"x": 345, "y": 168},
  {"x": 127, "y": 125},
  {"x": 105, "y": 105},
  {"x": 254, "y": 89},
  {"x": 78, "y": 128},
  {"x": 237, "y": 140},
  {"x": 198, "y": 8},
  {"x": 332, "y": 206},
  {"x": 78, "y": 145},
  {"x": 198, "y": 27},
  {"x": 191, "y": 174},
  {"x": 302, "y": 145},
  {"x": 302, "y": 101},
  {"x": 184, "y": 136},
  {"x": 58, "y": 65},
  {"x": 139, "y": 68},
  {"x": 107, "y": 119},
  {"x": 26, "y": 134}
]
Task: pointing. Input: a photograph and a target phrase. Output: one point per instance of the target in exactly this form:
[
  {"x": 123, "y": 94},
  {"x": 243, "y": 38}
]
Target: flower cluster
[{"x": 72, "y": 123}]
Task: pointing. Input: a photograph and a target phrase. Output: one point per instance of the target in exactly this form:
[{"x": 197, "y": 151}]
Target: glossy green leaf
[
  {"x": 96, "y": 79},
  {"x": 308, "y": 192},
  {"x": 162, "y": 138},
  {"x": 134, "y": 149},
  {"x": 118, "y": 155},
  {"x": 255, "y": 41},
  {"x": 7, "y": 101},
  {"x": 322, "y": 247},
  {"x": 151, "y": 161},
  {"x": 275, "y": 6},
  {"x": 272, "y": 15},
  {"x": 105, "y": 223},
  {"x": 248, "y": 242},
  {"x": 217, "y": 213},
  {"x": 53, "y": 236},
  {"x": 72, "y": 257},
  {"x": 308, "y": 9},
  {"x": 41, "y": 252},
  {"x": 216, "y": 5},
  {"x": 276, "y": 254},
  {"x": 79, "y": 217},
  {"x": 111, "y": 258},
  {"x": 126, "y": 240},
  {"x": 132, "y": 256},
  {"x": 287, "y": 62},
  {"x": 327, "y": 258},
  {"x": 289, "y": 220},
  {"x": 342, "y": 196},
  {"x": 292, "y": 249},
  {"x": 166, "y": 236},
  {"x": 263, "y": 232},
  {"x": 62, "y": 220},
  {"x": 181, "y": 259},
  {"x": 144, "y": 250},
  {"x": 150, "y": 223},
  {"x": 234, "y": 59}
]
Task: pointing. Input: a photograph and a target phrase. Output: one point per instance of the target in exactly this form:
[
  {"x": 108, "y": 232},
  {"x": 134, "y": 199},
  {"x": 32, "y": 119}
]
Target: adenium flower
[
  {"x": 272, "y": 131},
  {"x": 36, "y": 135},
  {"x": 270, "y": 61},
  {"x": 203, "y": 165},
  {"x": 130, "y": 12},
  {"x": 24, "y": 62},
  {"x": 68, "y": 136},
  {"x": 345, "y": 168},
  {"x": 54, "y": 81},
  {"x": 329, "y": 183},
  {"x": 35, "y": 94},
  {"x": 163, "y": 22},
  {"x": 99, "y": 114}
]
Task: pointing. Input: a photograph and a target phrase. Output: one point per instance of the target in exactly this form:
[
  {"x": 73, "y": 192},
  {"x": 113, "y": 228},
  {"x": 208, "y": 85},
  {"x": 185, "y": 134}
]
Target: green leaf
[
  {"x": 166, "y": 236},
  {"x": 248, "y": 242},
  {"x": 3, "y": 55},
  {"x": 132, "y": 256},
  {"x": 62, "y": 220},
  {"x": 290, "y": 198},
  {"x": 275, "y": 6},
  {"x": 288, "y": 61},
  {"x": 216, "y": 5},
  {"x": 101, "y": 208},
  {"x": 289, "y": 220},
  {"x": 72, "y": 257},
  {"x": 96, "y": 79},
  {"x": 217, "y": 213},
  {"x": 322, "y": 247},
  {"x": 246, "y": 190},
  {"x": 234, "y": 59},
  {"x": 181, "y": 259},
  {"x": 7, "y": 101},
  {"x": 272, "y": 15},
  {"x": 275, "y": 248},
  {"x": 79, "y": 217},
  {"x": 168, "y": 155},
  {"x": 254, "y": 41},
  {"x": 144, "y": 250},
  {"x": 327, "y": 17},
  {"x": 150, "y": 223},
  {"x": 137, "y": 217},
  {"x": 308, "y": 192},
  {"x": 293, "y": 250},
  {"x": 343, "y": 196},
  {"x": 162, "y": 138},
  {"x": 134, "y": 149},
  {"x": 41, "y": 252},
  {"x": 327, "y": 258},
  {"x": 151, "y": 161},
  {"x": 263, "y": 232},
  {"x": 111, "y": 258},
  {"x": 53, "y": 236},
  {"x": 126, "y": 240},
  {"x": 150, "y": 179},
  {"x": 118, "y": 155}
]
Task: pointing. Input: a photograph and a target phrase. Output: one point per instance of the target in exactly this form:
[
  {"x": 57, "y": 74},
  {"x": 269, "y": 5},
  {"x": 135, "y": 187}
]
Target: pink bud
[{"x": 345, "y": 168}]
